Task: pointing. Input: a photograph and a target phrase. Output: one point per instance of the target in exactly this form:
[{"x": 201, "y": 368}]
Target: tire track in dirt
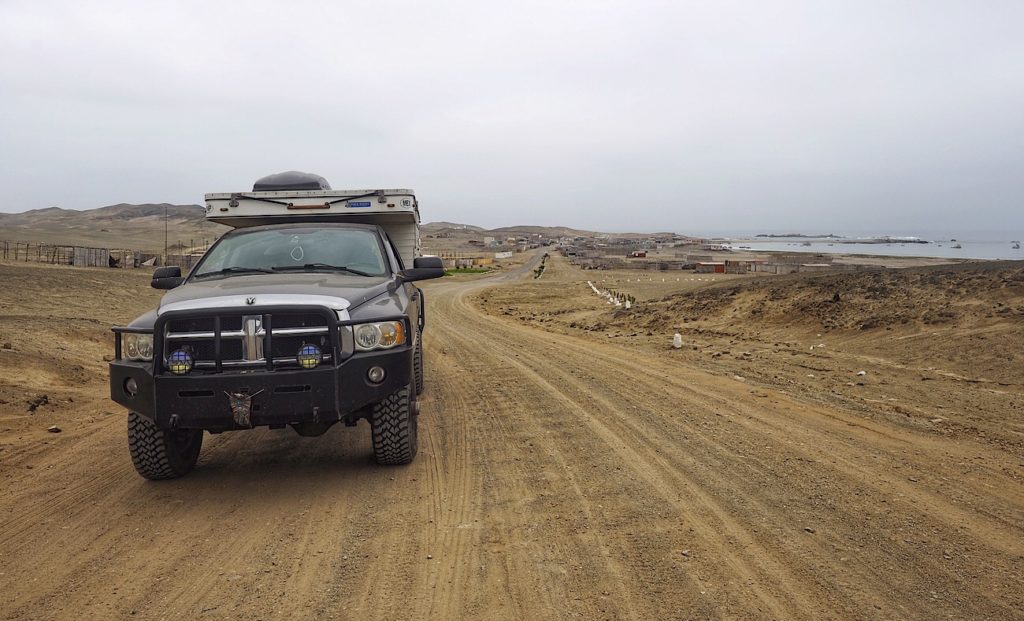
[
  {"x": 456, "y": 529},
  {"x": 578, "y": 399},
  {"x": 658, "y": 377},
  {"x": 804, "y": 419},
  {"x": 822, "y": 439},
  {"x": 830, "y": 428},
  {"x": 505, "y": 426},
  {"x": 528, "y": 576}
]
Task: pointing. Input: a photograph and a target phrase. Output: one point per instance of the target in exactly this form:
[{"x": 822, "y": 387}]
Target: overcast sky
[{"x": 687, "y": 116}]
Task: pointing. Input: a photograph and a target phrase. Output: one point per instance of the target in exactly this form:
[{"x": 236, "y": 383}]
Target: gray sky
[{"x": 632, "y": 115}]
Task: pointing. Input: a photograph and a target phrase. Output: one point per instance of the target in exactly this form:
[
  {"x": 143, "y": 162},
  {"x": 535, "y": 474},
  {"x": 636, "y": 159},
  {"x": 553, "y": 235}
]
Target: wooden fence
[{"x": 84, "y": 256}]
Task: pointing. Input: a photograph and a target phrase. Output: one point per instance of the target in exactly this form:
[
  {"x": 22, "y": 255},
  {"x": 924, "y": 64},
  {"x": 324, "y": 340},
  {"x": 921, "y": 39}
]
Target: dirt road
[{"x": 558, "y": 478}]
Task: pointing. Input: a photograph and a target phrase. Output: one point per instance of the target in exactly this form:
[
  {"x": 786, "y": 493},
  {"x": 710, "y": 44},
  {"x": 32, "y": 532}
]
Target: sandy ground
[{"x": 566, "y": 472}]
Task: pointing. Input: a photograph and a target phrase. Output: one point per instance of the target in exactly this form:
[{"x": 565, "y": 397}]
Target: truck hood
[{"x": 338, "y": 292}]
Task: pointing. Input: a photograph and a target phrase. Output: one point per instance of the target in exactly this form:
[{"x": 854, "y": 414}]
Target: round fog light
[
  {"x": 180, "y": 362},
  {"x": 309, "y": 356},
  {"x": 131, "y": 387},
  {"x": 375, "y": 374}
]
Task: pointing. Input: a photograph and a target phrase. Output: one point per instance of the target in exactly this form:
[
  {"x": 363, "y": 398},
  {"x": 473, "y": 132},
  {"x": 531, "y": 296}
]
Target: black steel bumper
[{"x": 328, "y": 393}]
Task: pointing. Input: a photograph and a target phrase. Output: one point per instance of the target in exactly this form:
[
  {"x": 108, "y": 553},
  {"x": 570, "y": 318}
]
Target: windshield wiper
[
  {"x": 235, "y": 270},
  {"x": 319, "y": 266}
]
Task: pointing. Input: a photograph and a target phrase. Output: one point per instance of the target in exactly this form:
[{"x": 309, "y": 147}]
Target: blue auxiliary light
[
  {"x": 180, "y": 362},
  {"x": 309, "y": 356}
]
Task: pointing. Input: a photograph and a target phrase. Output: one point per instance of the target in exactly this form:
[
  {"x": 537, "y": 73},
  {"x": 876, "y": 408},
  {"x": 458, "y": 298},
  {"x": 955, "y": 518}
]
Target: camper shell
[
  {"x": 395, "y": 210},
  {"x": 280, "y": 324}
]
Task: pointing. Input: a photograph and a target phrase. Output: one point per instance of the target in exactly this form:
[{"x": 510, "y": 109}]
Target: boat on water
[
  {"x": 957, "y": 246},
  {"x": 1016, "y": 245}
]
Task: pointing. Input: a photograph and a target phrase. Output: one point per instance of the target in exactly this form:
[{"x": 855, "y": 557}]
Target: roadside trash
[
  {"x": 677, "y": 341},
  {"x": 862, "y": 373}
]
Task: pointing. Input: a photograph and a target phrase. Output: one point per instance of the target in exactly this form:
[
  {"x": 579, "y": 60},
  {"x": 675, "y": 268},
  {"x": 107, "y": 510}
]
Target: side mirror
[
  {"x": 424, "y": 268},
  {"x": 166, "y": 277},
  {"x": 434, "y": 262}
]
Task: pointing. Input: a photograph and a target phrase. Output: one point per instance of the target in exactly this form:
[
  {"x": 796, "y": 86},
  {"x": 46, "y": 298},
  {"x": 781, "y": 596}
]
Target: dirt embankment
[
  {"x": 54, "y": 333},
  {"x": 937, "y": 348}
]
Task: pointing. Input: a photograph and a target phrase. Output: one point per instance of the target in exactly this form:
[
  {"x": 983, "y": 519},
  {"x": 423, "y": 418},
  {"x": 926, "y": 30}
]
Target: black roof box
[{"x": 291, "y": 180}]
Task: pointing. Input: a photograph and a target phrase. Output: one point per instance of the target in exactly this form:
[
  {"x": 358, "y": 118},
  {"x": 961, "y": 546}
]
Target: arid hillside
[{"x": 139, "y": 227}]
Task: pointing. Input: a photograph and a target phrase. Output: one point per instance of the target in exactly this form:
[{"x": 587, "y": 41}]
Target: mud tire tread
[
  {"x": 155, "y": 453},
  {"x": 393, "y": 427},
  {"x": 417, "y": 366}
]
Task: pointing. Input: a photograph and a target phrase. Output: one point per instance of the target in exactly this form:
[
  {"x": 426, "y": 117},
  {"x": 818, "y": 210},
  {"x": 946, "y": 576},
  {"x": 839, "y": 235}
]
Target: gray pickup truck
[{"x": 304, "y": 321}]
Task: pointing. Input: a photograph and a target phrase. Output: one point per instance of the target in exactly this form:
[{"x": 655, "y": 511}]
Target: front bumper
[{"x": 329, "y": 393}]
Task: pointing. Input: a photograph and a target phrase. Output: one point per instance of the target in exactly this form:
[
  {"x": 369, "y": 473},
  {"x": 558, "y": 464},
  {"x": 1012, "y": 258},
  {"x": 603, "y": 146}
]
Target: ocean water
[{"x": 995, "y": 250}]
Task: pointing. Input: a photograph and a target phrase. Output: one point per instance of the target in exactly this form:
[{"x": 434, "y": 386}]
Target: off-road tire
[
  {"x": 162, "y": 454},
  {"x": 417, "y": 366},
  {"x": 393, "y": 425}
]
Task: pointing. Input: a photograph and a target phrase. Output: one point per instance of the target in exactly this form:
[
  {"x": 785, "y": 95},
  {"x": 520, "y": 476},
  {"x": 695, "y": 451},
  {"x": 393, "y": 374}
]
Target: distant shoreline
[
  {"x": 839, "y": 239},
  {"x": 980, "y": 251}
]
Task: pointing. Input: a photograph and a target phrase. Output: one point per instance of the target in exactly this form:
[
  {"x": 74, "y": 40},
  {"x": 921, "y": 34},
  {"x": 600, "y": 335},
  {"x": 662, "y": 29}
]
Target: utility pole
[{"x": 165, "y": 233}]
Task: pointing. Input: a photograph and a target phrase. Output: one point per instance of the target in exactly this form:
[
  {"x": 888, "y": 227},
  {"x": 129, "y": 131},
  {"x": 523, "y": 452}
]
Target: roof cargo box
[
  {"x": 396, "y": 211},
  {"x": 291, "y": 180}
]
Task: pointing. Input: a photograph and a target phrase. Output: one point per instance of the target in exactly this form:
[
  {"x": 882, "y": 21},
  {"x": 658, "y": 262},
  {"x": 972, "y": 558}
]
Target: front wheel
[
  {"x": 161, "y": 453},
  {"x": 393, "y": 426}
]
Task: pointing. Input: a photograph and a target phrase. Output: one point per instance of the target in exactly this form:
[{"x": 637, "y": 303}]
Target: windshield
[{"x": 352, "y": 251}]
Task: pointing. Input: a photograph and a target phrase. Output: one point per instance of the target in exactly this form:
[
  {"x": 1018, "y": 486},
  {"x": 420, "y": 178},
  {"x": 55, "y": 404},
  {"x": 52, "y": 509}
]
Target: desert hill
[
  {"x": 547, "y": 231},
  {"x": 433, "y": 228},
  {"x": 123, "y": 225},
  {"x": 440, "y": 226},
  {"x": 141, "y": 227}
]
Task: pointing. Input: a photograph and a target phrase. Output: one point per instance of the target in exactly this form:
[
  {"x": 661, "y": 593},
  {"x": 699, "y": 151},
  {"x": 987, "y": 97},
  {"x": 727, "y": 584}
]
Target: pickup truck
[{"x": 304, "y": 315}]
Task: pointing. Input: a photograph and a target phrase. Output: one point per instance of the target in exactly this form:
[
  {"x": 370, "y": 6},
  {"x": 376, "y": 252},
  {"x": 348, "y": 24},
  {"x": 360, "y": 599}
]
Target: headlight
[
  {"x": 383, "y": 335},
  {"x": 137, "y": 346}
]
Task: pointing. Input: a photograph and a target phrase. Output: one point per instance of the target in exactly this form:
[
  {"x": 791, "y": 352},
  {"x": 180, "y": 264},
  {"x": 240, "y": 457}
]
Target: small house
[{"x": 710, "y": 267}]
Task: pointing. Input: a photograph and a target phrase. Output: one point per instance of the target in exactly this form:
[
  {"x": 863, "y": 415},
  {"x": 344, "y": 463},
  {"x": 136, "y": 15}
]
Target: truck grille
[{"x": 241, "y": 341}]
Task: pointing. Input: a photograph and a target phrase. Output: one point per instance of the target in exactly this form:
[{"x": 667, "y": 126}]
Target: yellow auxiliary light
[
  {"x": 309, "y": 356},
  {"x": 180, "y": 362}
]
